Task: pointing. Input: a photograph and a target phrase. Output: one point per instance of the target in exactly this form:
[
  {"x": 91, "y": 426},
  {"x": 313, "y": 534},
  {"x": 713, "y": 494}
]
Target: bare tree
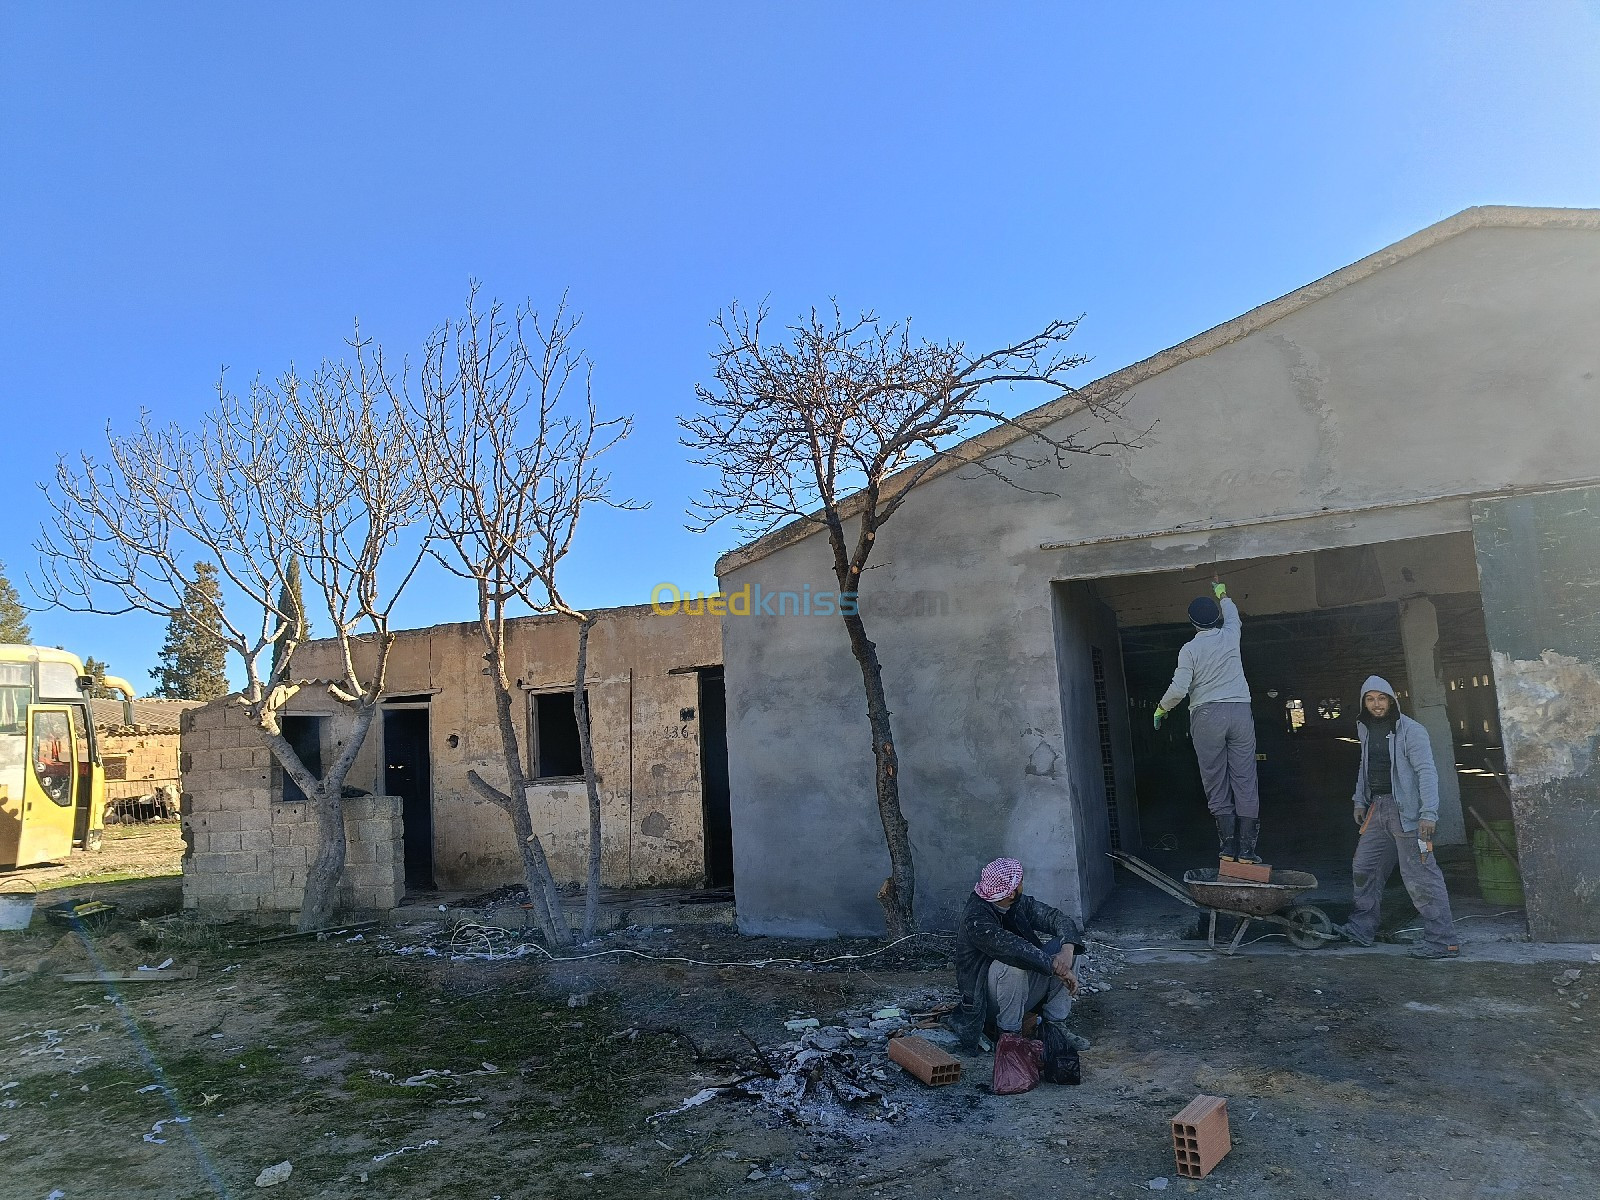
[
  {"x": 833, "y": 423},
  {"x": 505, "y": 427},
  {"x": 308, "y": 470}
]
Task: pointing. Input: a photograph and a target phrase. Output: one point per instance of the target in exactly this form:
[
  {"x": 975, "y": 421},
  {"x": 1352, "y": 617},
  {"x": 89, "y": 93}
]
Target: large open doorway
[
  {"x": 1315, "y": 626},
  {"x": 715, "y": 803},
  {"x": 408, "y": 774}
]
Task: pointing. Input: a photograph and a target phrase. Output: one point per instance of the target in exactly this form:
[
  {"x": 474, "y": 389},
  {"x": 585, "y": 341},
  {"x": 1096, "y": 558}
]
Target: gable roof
[{"x": 997, "y": 438}]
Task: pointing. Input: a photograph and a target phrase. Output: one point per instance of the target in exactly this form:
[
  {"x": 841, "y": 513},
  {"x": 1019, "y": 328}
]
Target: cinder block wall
[{"x": 247, "y": 850}]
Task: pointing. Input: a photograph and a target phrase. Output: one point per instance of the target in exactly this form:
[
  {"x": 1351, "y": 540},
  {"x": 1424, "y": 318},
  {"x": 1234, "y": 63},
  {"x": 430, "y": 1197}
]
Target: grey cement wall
[
  {"x": 1540, "y": 560},
  {"x": 1467, "y": 367},
  {"x": 647, "y": 754}
]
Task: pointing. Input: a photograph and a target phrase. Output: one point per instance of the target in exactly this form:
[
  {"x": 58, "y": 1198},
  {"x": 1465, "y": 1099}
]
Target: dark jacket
[
  {"x": 1414, "y": 777},
  {"x": 988, "y": 934}
]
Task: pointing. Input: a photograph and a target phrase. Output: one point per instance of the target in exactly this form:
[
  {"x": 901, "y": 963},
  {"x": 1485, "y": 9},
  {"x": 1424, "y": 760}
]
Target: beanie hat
[{"x": 1205, "y": 613}]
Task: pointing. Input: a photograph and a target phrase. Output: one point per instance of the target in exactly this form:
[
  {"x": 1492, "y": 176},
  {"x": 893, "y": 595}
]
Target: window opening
[
  {"x": 556, "y": 753},
  {"x": 304, "y": 733}
]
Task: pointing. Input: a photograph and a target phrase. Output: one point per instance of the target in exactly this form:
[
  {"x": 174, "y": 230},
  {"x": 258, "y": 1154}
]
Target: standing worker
[
  {"x": 1212, "y": 677},
  {"x": 1397, "y": 808}
]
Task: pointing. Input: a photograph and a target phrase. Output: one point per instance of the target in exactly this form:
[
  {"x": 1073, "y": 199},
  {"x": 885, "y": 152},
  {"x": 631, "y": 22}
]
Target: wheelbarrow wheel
[{"x": 1309, "y": 927}]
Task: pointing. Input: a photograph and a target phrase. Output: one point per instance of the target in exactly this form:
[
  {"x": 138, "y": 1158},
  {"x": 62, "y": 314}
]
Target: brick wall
[{"x": 248, "y": 850}]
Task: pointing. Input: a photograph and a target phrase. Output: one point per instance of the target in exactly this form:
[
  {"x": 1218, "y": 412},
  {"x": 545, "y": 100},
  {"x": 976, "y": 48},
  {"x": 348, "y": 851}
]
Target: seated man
[{"x": 1004, "y": 965}]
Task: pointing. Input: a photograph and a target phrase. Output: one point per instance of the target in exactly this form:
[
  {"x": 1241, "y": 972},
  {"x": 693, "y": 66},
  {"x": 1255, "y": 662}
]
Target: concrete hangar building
[{"x": 1396, "y": 469}]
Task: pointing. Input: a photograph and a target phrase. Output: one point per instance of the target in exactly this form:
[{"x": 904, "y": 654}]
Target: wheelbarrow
[{"x": 1306, "y": 926}]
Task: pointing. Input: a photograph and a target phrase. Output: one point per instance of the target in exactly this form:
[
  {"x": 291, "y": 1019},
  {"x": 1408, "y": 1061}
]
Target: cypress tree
[
  {"x": 193, "y": 660},
  {"x": 13, "y": 617},
  {"x": 293, "y": 607}
]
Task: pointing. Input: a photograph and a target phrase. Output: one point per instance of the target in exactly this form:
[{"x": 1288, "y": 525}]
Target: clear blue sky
[{"x": 186, "y": 186}]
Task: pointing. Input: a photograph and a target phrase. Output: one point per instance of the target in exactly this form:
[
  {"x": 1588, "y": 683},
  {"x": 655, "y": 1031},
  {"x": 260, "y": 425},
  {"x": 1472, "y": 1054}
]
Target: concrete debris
[
  {"x": 803, "y": 1023},
  {"x": 274, "y": 1175},
  {"x": 1157, "y": 1185},
  {"x": 580, "y": 999},
  {"x": 154, "y": 1136}
]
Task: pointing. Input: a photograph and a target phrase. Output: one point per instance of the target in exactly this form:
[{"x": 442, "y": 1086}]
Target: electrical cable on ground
[{"x": 470, "y": 933}]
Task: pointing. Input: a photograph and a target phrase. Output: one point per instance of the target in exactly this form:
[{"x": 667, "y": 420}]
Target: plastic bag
[
  {"x": 1017, "y": 1063},
  {"x": 1061, "y": 1063}
]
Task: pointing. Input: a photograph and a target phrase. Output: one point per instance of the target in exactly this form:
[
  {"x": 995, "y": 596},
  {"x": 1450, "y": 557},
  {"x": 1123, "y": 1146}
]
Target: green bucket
[{"x": 1498, "y": 880}]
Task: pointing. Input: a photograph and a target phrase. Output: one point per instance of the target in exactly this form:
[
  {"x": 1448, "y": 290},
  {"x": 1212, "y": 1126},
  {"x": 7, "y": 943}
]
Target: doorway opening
[
  {"x": 715, "y": 805},
  {"x": 408, "y": 774},
  {"x": 1315, "y": 625}
]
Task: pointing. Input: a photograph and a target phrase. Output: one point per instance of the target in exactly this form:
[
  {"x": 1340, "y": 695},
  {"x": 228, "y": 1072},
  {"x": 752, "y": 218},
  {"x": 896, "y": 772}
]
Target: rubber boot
[
  {"x": 1249, "y": 830},
  {"x": 1227, "y": 837}
]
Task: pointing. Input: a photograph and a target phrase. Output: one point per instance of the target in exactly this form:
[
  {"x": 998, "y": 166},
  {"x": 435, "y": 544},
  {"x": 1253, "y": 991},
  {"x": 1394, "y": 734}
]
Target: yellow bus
[{"x": 52, "y": 787}]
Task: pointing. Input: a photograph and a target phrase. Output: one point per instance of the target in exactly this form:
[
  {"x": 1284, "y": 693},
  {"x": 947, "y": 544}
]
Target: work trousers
[
  {"x": 1383, "y": 843},
  {"x": 1014, "y": 991},
  {"x": 1225, "y": 745}
]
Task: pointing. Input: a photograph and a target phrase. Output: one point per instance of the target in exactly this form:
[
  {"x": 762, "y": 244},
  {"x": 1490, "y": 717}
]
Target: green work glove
[
  {"x": 1219, "y": 590},
  {"x": 1161, "y": 715}
]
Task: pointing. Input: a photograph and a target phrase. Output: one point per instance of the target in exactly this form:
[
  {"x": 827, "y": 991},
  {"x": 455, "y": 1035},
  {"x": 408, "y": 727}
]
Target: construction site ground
[{"x": 382, "y": 1063}]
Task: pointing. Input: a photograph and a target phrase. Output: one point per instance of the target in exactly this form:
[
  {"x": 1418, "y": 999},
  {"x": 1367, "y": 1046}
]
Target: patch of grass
[{"x": 398, "y": 1018}]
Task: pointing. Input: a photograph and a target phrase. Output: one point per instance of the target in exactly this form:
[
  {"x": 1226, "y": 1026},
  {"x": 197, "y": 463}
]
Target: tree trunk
[
  {"x": 898, "y": 893},
  {"x": 580, "y": 709},
  {"x": 327, "y": 798},
  {"x": 542, "y": 892}
]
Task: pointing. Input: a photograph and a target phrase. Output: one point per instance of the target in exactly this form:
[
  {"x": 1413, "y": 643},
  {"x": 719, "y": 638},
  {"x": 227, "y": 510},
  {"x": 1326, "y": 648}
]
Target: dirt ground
[
  {"x": 126, "y": 852},
  {"x": 1345, "y": 1072}
]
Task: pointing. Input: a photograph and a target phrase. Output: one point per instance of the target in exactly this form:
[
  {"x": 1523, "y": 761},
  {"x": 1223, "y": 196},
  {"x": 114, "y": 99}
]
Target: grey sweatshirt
[{"x": 1209, "y": 669}]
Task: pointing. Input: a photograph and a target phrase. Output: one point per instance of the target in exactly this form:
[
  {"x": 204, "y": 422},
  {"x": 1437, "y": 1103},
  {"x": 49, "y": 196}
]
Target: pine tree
[
  {"x": 291, "y": 603},
  {"x": 193, "y": 663},
  {"x": 13, "y": 617}
]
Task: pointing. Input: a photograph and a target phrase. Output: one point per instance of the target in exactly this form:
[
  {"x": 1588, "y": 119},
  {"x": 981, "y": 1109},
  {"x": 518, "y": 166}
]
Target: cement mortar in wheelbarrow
[{"x": 1246, "y": 896}]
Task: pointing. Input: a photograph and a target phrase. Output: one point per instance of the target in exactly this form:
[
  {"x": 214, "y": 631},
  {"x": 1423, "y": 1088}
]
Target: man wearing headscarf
[
  {"x": 1397, "y": 810},
  {"x": 1211, "y": 675},
  {"x": 1014, "y": 955}
]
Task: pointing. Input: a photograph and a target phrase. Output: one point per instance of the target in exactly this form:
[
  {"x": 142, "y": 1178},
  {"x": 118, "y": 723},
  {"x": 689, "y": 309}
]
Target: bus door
[
  {"x": 87, "y": 822},
  {"x": 50, "y": 790}
]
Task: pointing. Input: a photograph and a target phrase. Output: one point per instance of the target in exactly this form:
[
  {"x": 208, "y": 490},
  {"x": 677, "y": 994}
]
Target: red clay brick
[
  {"x": 925, "y": 1060},
  {"x": 1200, "y": 1136},
  {"x": 1255, "y": 872}
]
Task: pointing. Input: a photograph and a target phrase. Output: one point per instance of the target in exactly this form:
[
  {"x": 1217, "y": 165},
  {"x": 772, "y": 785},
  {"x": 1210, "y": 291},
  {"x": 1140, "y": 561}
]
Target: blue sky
[{"x": 187, "y": 186}]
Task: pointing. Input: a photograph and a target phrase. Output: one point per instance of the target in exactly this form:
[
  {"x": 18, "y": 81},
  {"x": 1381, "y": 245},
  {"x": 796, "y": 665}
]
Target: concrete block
[
  {"x": 255, "y": 839},
  {"x": 241, "y": 758},
  {"x": 200, "y": 761},
  {"x": 222, "y": 841},
  {"x": 925, "y": 1060},
  {"x": 255, "y": 820},
  {"x": 360, "y": 852},
  {"x": 240, "y": 864},
  {"x": 243, "y": 902},
  {"x": 216, "y": 821},
  {"x": 285, "y": 900},
  {"x": 1200, "y": 1136}
]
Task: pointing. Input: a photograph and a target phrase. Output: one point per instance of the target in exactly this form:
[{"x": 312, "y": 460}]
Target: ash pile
[{"x": 837, "y": 1078}]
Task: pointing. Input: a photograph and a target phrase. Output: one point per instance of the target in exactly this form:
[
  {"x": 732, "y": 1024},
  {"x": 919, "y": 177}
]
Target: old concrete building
[
  {"x": 1394, "y": 468},
  {"x": 655, "y": 700}
]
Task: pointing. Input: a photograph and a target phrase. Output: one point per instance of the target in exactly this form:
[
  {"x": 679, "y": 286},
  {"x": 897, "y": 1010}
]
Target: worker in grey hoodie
[
  {"x": 1211, "y": 675},
  {"x": 1397, "y": 808}
]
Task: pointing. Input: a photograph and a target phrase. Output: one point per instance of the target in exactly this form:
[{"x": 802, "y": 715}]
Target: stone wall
[
  {"x": 644, "y": 719},
  {"x": 247, "y": 850}
]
